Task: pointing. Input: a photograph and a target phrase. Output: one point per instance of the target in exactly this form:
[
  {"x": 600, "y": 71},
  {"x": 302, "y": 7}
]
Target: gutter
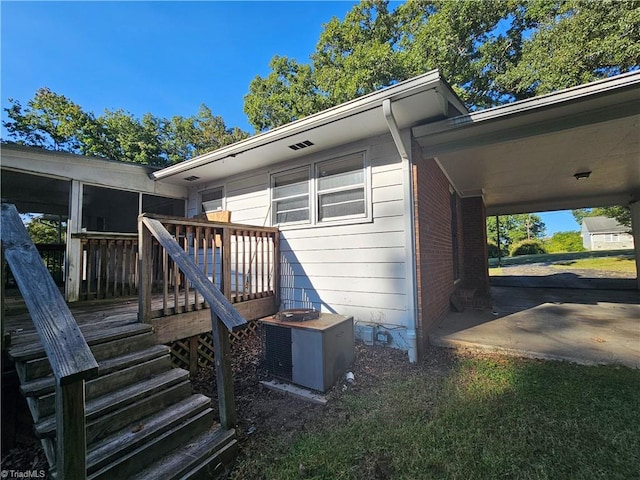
[{"x": 409, "y": 225}]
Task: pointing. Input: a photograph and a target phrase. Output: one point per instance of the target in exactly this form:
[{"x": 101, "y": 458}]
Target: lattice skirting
[{"x": 193, "y": 352}]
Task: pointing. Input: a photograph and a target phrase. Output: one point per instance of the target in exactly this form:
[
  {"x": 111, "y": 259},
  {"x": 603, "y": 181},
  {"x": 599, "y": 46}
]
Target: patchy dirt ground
[{"x": 263, "y": 413}]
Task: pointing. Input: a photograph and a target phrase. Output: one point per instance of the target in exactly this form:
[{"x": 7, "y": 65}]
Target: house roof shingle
[{"x": 603, "y": 225}]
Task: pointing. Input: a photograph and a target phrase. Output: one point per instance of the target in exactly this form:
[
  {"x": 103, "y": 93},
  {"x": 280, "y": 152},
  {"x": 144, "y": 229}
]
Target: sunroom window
[
  {"x": 340, "y": 188},
  {"x": 290, "y": 196}
]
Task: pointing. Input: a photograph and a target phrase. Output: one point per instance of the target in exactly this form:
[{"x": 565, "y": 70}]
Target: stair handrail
[
  {"x": 69, "y": 355},
  {"x": 224, "y": 317}
]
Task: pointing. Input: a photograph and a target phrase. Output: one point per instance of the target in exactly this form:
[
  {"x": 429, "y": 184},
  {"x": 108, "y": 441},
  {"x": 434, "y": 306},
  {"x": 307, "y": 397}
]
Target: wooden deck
[
  {"x": 90, "y": 316},
  {"x": 104, "y": 397},
  {"x": 96, "y": 315}
]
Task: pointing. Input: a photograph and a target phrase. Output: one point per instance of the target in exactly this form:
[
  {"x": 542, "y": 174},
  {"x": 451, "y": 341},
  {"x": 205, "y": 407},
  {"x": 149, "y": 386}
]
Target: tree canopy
[
  {"x": 621, "y": 213},
  {"x": 55, "y": 122},
  {"x": 491, "y": 52},
  {"x": 514, "y": 229}
]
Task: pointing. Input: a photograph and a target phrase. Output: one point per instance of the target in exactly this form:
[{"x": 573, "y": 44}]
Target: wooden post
[
  {"x": 276, "y": 268},
  {"x": 145, "y": 283},
  {"x": 224, "y": 376},
  {"x": 193, "y": 355},
  {"x": 498, "y": 240},
  {"x": 4, "y": 340},
  {"x": 74, "y": 253},
  {"x": 71, "y": 444},
  {"x": 226, "y": 262}
]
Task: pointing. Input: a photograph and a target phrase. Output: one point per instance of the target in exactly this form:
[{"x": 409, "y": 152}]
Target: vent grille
[
  {"x": 276, "y": 348},
  {"x": 301, "y": 145},
  {"x": 191, "y": 178}
]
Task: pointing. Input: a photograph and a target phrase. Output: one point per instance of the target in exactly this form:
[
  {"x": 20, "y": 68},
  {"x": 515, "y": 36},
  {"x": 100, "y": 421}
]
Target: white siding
[{"x": 352, "y": 269}]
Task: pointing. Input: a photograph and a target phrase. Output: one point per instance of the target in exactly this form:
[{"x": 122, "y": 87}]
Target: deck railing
[
  {"x": 108, "y": 265},
  {"x": 182, "y": 251},
  {"x": 53, "y": 257},
  {"x": 67, "y": 351},
  {"x": 241, "y": 261}
]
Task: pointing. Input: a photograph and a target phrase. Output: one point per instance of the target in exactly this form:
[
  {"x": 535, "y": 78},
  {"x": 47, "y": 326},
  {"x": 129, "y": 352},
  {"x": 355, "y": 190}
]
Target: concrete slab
[
  {"x": 295, "y": 391},
  {"x": 582, "y": 326}
]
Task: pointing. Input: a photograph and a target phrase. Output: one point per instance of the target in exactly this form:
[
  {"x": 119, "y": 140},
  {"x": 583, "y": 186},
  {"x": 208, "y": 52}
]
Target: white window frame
[
  {"x": 273, "y": 200},
  {"x": 211, "y": 189},
  {"x": 612, "y": 237},
  {"x": 318, "y": 193},
  {"x": 314, "y": 194}
]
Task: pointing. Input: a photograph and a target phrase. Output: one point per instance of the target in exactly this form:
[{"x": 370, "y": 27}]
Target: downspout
[{"x": 409, "y": 225}]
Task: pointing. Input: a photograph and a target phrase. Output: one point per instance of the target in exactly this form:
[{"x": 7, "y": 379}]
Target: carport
[{"x": 574, "y": 148}]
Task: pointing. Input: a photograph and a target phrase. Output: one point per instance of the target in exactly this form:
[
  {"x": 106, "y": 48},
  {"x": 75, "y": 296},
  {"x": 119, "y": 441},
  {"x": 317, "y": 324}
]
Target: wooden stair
[{"x": 142, "y": 418}]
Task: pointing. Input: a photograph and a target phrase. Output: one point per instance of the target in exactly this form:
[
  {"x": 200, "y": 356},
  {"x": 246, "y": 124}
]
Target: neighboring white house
[{"x": 603, "y": 233}]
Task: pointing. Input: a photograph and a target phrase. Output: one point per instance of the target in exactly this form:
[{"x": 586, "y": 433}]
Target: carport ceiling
[{"x": 524, "y": 157}]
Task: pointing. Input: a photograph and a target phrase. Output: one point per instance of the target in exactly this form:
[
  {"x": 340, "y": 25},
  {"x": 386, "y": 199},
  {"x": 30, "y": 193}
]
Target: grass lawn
[
  {"x": 489, "y": 417},
  {"x": 611, "y": 264},
  {"x": 608, "y": 260}
]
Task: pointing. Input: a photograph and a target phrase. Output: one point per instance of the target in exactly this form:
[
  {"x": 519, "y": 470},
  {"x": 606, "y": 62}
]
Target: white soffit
[
  {"x": 523, "y": 157},
  {"x": 420, "y": 99}
]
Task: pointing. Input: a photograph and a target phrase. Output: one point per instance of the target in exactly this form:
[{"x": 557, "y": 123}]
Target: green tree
[
  {"x": 562, "y": 242},
  {"x": 491, "y": 52},
  {"x": 465, "y": 41},
  {"x": 45, "y": 230},
  {"x": 288, "y": 93},
  {"x": 49, "y": 121},
  {"x": 515, "y": 228},
  {"x": 575, "y": 42},
  {"x": 131, "y": 140},
  {"x": 357, "y": 55},
  {"x": 52, "y": 121},
  {"x": 621, "y": 213},
  {"x": 212, "y": 133}
]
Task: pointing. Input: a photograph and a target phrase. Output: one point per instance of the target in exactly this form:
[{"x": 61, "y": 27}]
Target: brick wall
[
  {"x": 434, "y": 248},
  {"x": 434, "y": 255},
  {"x": 474, "y": 236}
]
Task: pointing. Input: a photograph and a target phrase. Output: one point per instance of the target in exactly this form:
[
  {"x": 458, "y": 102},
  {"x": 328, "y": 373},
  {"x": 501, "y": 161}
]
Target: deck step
[
  {"x": 45, "y": 385},
  {"x": 155, "y": 448},
  {"x": 133, "y": 395},
  {"x": 44, "y": 405},
  {"x": 203, "y": 457},
  {"x": 40, "y": 367},
  {"x": 142, "y": 418},
  {"x": 95, "y": 336}
]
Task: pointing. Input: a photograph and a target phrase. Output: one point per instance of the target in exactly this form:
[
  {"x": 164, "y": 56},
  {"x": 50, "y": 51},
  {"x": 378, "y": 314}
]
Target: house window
[
  {"x": 290, "y": 196},
  {"x": 340, "y": 188},
  {"x": 611, "y": 237},
  {"x": 212, "y": 200}
]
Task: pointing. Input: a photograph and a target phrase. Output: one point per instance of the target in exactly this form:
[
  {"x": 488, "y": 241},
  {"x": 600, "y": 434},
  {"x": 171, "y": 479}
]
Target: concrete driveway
[{"x": 586, "y": 326}]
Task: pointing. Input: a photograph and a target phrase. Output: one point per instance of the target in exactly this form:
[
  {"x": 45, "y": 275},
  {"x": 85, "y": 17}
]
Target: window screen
[
  {"x": 341, "y": 188},
  {"x": 212, "y": 200},
  {"x": 290, "y": 196}
]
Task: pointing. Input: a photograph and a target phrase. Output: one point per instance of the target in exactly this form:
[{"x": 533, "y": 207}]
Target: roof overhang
[
  {"x": 524, "y": 157},
  {"x": 415, "y": 101},
  {"x": 38, "y": 180}
]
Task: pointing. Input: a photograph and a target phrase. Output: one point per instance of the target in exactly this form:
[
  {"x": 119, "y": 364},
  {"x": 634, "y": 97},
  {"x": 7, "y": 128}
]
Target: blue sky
[{"x": 166, "y": 58}]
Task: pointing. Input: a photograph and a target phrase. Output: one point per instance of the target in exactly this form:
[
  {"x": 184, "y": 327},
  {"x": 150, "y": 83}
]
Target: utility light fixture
[{"x": 582, "y": 175}]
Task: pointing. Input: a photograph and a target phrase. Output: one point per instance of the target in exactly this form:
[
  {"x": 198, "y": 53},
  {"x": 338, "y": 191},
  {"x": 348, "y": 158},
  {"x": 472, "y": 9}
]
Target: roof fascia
[
  {"x": 367, "y": 102},
  {"x": 524, "y": 106}
]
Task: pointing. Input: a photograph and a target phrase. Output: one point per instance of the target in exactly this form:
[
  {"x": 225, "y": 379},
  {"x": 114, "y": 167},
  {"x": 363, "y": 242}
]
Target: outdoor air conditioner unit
[{"x": 312, "y": 353}]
